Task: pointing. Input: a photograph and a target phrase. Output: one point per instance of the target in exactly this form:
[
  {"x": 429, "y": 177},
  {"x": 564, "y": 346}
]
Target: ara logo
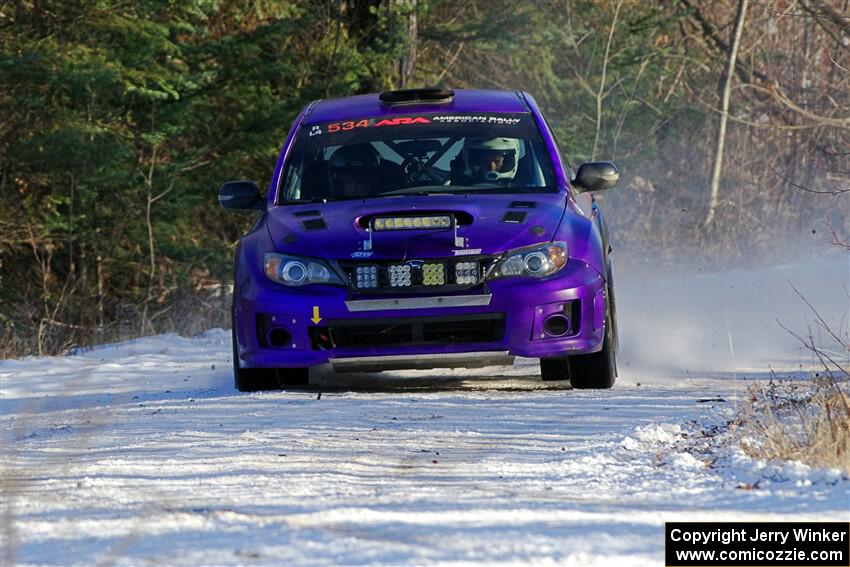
[
  {"x": 361, "y": 254},
  {"x": 315, "y": 130},
  {"x": 402, "y": 121}
]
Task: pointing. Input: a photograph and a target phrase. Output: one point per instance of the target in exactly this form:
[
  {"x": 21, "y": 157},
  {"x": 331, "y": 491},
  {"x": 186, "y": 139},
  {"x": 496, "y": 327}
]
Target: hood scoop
[
  {"x": 516, "y": 217},
  {"x": 315, "y": 224},
  {"x": 522, "y": 205}
]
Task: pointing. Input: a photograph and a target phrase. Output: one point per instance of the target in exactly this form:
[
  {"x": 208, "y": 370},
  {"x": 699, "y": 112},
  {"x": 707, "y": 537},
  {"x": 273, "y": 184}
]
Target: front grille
[
  {"x": 371, "y": 335},
  {"x": 473, "y": 328},
  {"x": 464, "y": 331},
  {"x": 437, "y": 274}
]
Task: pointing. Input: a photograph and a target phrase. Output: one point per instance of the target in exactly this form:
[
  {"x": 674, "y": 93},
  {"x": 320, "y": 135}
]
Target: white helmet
[{"x": 491, "y": 159}]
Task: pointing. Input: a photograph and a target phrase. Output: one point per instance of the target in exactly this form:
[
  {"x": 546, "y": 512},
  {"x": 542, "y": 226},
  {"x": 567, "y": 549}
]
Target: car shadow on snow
[{"x": 496, "y": 378}]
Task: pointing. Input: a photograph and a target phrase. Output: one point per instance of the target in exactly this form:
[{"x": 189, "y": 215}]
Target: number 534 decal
[
  {"x": 348, "y": 125},
  {"x": 365, "y": 123}
]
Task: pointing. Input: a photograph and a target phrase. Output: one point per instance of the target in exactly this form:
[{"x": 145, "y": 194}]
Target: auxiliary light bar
[{"x": 412, "y": 223}]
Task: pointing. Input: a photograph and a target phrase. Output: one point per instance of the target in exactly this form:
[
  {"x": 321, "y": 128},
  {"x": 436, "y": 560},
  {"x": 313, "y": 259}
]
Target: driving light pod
[
  {"x": 412, "y": 223},
  {"x": 399, "y": 276},
  {"x": 295, "y": 271},
  {"x": 466, "y": 273},
  {"x": 433, "y": 274},
  {"x": 536, "y": 261},
  {"x": 366, "y": 277}
]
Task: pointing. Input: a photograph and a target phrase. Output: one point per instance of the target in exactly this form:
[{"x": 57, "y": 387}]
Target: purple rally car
[{"x": 423, "y": 228}]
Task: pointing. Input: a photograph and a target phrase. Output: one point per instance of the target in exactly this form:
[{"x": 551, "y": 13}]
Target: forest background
[{"x": 120, "y": 120}]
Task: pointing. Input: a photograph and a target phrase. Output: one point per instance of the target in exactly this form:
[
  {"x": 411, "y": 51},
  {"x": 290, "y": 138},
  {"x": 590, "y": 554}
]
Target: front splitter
[{"x": 422, "y": 361}]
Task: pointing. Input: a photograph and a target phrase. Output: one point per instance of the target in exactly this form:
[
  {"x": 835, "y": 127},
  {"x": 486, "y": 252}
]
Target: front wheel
[
  {"x": 552, "y": 369},
  {"x": 597, "y": 370},
  {"x": 257, "y": 379}
]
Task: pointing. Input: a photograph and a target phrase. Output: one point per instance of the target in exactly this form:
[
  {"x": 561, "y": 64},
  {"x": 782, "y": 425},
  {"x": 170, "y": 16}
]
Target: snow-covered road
[{"x": 142, "y": 453}]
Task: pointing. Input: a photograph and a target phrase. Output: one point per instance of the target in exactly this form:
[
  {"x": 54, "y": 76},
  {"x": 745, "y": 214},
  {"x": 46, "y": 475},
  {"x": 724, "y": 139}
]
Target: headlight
[
  {"x": 537, "y": 261},
  {"x": 295, "y": 271}
]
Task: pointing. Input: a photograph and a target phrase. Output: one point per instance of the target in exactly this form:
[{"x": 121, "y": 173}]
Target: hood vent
[
  {"x": 307, "y": 214},
  {"x": 315, "y": 224},
  {"x": 522, "y": 205},
  {"x": 517, "y": 217}
]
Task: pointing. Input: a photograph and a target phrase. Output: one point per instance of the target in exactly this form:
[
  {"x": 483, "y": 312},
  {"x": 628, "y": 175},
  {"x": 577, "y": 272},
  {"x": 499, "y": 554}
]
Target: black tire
[
  {"x": 597, "y": 370},
  {"x": 257, "y": 379},
  {"x": 244, "y": 379},
  {"x": 288, "y": 377},
  {"x": 552, "y": 369},
  {"x": 249, "y": 380},
  {"x": 612, "y": 302}
]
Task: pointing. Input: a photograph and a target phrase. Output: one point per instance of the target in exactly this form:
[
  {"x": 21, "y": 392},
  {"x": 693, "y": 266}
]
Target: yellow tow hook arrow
[{"x": 316, "y": 317}]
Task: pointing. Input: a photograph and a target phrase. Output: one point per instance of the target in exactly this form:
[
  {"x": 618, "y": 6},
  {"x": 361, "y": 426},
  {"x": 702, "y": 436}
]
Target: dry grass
[
  {"x": 807, "y": 422},
  {"x": 186, "y": 312}
]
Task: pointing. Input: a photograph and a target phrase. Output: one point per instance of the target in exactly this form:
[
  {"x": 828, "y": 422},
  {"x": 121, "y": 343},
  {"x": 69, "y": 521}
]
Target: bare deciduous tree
[
  {"x": 714, "y": 188},
  {"x": 600, "y": 93}
]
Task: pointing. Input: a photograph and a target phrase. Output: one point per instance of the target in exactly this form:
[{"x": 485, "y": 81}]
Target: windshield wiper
[
  {"x": 305, "y": 200},
  {"x": 425, "y": 190}
]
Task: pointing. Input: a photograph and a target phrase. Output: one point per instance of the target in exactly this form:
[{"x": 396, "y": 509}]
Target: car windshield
[{"x": 417, "y": 154}]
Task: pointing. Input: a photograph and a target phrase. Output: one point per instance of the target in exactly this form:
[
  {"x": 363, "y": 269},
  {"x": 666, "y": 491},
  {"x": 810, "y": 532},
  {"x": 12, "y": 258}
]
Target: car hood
[{"x": 488, "y": 224}]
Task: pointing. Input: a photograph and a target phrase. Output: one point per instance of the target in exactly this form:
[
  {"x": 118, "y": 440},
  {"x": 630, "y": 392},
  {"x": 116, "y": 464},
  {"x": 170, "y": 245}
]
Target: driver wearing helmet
[
  {"x": 353, "y": 170},
  {"x": 490, "y": 160}
]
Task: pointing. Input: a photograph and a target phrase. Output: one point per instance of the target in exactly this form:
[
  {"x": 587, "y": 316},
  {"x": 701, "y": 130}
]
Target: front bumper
[{"x": 323, "y": 324}]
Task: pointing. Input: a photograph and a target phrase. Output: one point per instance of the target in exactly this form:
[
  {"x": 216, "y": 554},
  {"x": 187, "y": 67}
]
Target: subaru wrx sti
[{"x": 423, "y": 228}]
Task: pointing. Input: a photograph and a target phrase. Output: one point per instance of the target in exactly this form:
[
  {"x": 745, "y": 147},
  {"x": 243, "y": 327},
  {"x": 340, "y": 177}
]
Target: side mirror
[
  {"x": 596, "y": 176},
  {"x": 241, "y": 196}
]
